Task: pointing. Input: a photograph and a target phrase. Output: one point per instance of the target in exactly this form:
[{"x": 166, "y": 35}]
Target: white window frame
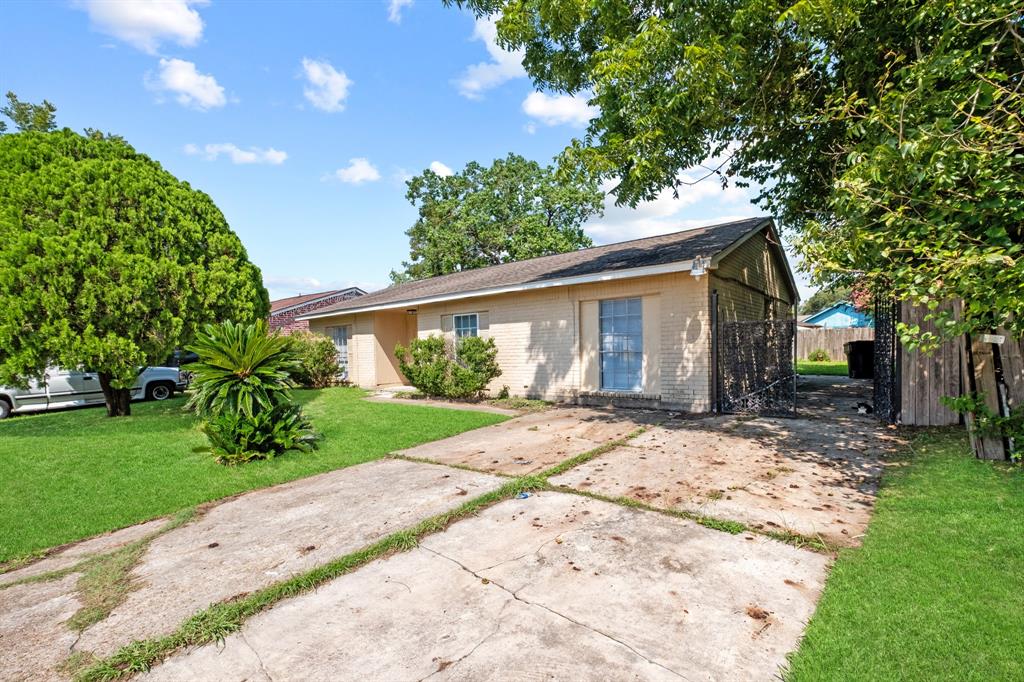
[
  {"x": 344, "y": 350},
  {"x": 472, "y": 329},
  {"x": 606, "y": 384}
]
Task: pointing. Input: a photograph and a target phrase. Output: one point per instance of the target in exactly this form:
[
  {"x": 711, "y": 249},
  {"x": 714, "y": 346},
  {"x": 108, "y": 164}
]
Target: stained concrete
[
  {"x": 534, "y": 442},
  {"x": 68, "y": 555},
  {"x": 816, "y": 475},
  {"x": 268, "y": 535},
  {"x": 238, "y": 546},
  {"x": 554, "y": 586},
  {"x": 33, "y": 637}
]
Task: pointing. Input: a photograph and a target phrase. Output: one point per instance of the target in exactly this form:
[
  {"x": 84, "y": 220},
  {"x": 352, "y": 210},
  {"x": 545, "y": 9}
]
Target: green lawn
[
  {"x": 73, "y": 474},
  {"x": 829, "y": 367},
  {"x": 937, "y": 590}
]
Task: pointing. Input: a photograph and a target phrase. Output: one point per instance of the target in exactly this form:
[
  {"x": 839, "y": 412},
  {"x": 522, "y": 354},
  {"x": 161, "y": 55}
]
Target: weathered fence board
[
  {"x": 926, "y": 377},
  {"x": 830, "y": 340}
]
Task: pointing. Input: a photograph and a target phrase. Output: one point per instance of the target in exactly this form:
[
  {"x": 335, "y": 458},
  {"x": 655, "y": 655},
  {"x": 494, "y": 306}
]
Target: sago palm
[{"x": 241, "y": 369}]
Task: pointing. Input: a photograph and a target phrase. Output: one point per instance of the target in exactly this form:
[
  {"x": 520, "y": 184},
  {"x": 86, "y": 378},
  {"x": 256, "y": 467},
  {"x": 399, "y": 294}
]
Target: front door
[
  {"x": 340, "y": 336},
  {"x": 85, "y": 386}
]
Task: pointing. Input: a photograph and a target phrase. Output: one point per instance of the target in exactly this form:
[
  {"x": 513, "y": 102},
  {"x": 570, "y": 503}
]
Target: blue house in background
[{"x": 841, "y": 314}]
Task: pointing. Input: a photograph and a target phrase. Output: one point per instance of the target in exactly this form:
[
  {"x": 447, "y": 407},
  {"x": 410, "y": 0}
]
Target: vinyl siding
[{"x": 752, "y": 284}]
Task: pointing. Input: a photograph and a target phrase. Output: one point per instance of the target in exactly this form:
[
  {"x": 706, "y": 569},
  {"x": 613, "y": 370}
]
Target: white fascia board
[{"x": 681, "y": 266}]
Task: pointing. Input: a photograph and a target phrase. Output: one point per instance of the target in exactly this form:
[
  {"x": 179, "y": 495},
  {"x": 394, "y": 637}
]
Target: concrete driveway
[{"x": 555, "y": 585}]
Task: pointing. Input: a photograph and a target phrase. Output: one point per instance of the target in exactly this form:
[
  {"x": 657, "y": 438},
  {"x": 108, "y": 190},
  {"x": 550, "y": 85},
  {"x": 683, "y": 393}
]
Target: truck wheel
[
  {"x": 5, "y": 408},
  {"x": 160, "y": 391}
]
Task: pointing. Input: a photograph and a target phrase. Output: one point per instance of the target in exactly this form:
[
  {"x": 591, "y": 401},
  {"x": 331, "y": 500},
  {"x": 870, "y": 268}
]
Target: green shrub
[
  {"x": 318, "y": 360},
  {"x": 425, "y": 364},
  {"x": 242, "y": 381},
  {"x": 241, "y": 369},
  {"x": 819, "y": 355},
  {"x": 438, "y": 369},
  {"x": 236, "y": 438}
]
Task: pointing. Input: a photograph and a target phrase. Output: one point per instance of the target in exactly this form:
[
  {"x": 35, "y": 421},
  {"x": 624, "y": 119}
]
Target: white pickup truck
[{"x": 70, "y": 388}]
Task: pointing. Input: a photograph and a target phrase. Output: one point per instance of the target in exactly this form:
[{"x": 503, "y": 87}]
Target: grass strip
[
  {"x": 822, "y": 368},
  {"x": 434, "y": 462},
  {"x": 729, "y": 526},
  {"x": 585, "y": 457},
  {"x": 94, "y": 567},
  {"x": 936, "y": 590},
  {"x": 216, "y": 622}
]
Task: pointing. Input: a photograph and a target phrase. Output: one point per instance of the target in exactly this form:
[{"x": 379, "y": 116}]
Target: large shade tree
[
  {"x": 107, "y": 261},
  {"x": 888, "y": 134},
  {"x": 485, "y": 215}
]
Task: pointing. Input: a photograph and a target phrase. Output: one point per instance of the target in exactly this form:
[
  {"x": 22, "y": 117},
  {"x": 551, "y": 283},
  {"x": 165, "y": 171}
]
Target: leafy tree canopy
[
  {"x": 40, "y": 118},
  {"x": 107, "y": 261},
  {"x": 511, "y": 210},
  {"x": 887, "y": 133}
]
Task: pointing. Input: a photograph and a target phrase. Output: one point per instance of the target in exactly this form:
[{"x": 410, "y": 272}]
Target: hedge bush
[
  {"x": 441, "y": 369},
  {"x": 319, "y": 366},
  {"x": 819, "y": 355}
]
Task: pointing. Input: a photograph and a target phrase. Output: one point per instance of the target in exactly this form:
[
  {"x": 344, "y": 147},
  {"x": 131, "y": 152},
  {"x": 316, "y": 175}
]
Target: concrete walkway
[{"x": 555, "y": 586}]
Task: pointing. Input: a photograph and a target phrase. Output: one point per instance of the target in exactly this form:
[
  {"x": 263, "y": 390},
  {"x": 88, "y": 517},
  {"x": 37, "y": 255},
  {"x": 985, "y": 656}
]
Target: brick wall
[
  {"x": 286, "y": 322},
  {"x": 539, "y": 346}
]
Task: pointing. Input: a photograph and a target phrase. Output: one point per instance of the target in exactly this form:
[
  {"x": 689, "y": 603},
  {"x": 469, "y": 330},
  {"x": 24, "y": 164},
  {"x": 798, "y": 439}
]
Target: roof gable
[{"x": 283, "y": 304}]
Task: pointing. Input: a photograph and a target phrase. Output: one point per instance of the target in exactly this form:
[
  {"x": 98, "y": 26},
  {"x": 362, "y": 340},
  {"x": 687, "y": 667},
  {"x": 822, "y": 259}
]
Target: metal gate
[
  {"x": 755, "y": 366},
  {"x": 887, "y": 360}
]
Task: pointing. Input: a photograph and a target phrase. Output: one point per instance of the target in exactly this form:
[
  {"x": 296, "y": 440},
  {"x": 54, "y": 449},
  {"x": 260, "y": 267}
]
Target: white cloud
[
  {"x": 441, "y": 169},
  {"x": 145, "y": 24},
  {"x": 530, "y": 128},
  {"x": 284, "y": 286},
  {"x": 327, "y": 87},
  {"x": 238, "y": 155},
  {"x": 395, "y": 8},
  {"x": 191, "y": 88},
  {"x": 358, "y": 171},
  {"x": 504, "y": 66},
  {"x": 556, "y": 110},
  {"x": 702, "y": 202}
]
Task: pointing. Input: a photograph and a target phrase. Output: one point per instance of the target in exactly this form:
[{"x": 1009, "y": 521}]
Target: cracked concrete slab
[
  {"x": 269, "y": 535},
  {"x": 535, "y": 441},
  {"x": 813, "y": 476},
  {"x": 554, "y": 586},
  {"x": 67, "y": 556},
  {"x": 33, "y": 637}
]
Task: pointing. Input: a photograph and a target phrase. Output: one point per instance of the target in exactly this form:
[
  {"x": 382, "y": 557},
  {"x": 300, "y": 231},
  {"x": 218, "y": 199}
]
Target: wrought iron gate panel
[
  {"x": 756, "y": 369},
  {"x": 887, "y": 368}
]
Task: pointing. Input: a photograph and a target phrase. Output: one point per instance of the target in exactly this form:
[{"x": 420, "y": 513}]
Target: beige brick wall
[
  {"x": 539, "y": 344},
  {"x": 361, "y": 345}
]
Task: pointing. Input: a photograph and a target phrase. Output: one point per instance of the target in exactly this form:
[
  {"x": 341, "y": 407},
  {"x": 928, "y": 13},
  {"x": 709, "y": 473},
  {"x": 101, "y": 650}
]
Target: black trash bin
[{"x": 860, "y": 359}]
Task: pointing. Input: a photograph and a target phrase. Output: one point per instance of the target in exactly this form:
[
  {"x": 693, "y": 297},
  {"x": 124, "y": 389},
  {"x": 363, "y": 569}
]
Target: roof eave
[
  {"x": 314, "y": 300},
  {"x": 604, "y": 276}
]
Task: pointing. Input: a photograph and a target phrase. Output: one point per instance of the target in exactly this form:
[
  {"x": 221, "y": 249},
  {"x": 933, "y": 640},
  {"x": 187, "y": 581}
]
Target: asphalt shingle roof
[
  {"x": 282, "y": 303},
  {"x": 659, "y": 250}
]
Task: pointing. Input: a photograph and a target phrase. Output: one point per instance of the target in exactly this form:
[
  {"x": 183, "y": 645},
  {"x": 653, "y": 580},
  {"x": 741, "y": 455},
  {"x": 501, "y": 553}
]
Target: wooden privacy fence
[{"x": 830, "y": 340}]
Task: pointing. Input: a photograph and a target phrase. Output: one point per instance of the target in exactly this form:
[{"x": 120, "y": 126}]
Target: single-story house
[
  {"x": 839, "y": 315},
  {"x": 285, "y": 311},
  {"x": 631, "y": 320}
]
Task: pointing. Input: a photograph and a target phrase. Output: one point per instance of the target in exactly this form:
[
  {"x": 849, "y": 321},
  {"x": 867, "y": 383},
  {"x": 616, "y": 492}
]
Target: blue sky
[{"x": 303, "y": 119}]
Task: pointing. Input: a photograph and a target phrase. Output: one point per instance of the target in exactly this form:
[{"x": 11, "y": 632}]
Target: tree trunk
[{"x": 118, "y": 400}]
